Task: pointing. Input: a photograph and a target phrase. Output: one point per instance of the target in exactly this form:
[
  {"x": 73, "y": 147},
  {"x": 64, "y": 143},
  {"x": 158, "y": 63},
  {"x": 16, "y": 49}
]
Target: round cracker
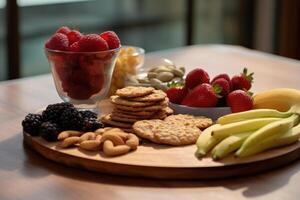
[
  {"x": 144, "y": 128},
  {"x": 168, "y": 111},
  {"x": 134, "y": 113},
  {"x": 199, "y": 121},
  {"x": 106, "y": 119},
  {"x": 175, "y": 134},
  {"x": 133, "y": 91},
  {"x": 134, "y": 109},
  {"x": 123, "y": 119},
  {"x": 119, "y": 101},
  {"x": 157, "y": 95},
  {"x": 159, "y": 115},
  {"x": 130, "y": 116}
]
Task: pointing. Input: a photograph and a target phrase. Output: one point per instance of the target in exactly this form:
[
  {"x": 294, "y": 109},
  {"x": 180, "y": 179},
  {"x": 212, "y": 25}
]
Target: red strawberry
[
  {"x": 64, "y": 30},
  {"x": 201, "y": 96},
  {"x": 196, "y": 77},
  {"x": 92, "y": 43},
  {"x": 111, "y": 38},
  {"x": 176, "y": 95},
  {"x": 58, "y": 41},
  {"x": 225, "y": 76},
  {"x": 239, "y": 101},
  {"x": 224, "y": 86},
  {"x": 74, "y": 47},
  {"x": 74, "y": 36},
  {"x": 242, "y": 81}
]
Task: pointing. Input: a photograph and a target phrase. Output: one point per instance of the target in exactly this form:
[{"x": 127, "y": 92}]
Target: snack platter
[
  {"x": 163, "y": 162},
  {"x": 176, "y": 126}
]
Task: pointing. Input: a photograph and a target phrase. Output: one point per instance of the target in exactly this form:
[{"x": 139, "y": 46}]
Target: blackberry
[
  {"x": 88, "y": 114},
  {"x": 49, "y": 131},
  {"x": 32, "y": 123},
  {"x": 71, "y": 119},
  {"x": 91, "y": 124},
  {"x": 53, "y": 111}
]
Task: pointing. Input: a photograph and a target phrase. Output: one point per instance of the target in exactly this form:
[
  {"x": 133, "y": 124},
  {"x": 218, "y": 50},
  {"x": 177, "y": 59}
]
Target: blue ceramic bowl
[{"x": 212, "y": 112}]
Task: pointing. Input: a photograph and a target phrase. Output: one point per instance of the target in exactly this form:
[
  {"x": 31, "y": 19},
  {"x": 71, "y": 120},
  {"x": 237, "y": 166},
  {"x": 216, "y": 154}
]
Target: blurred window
[
  {"x": 3, "y": 67},
  {"x": 151, "y": 24},
  {"x": 144, "y": 23}
]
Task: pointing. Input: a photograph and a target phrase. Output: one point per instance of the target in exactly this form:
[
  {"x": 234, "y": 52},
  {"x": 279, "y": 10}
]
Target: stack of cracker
[{"x": 132, "y": 104}]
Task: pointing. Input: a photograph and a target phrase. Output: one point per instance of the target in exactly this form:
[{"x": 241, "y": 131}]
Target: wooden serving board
[
  {"x": 158, "y": 161},
  {"x": 162, "y": 161}
]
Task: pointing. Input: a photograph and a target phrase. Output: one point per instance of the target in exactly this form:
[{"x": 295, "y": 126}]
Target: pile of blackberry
[{"x": 60, "y": 117}]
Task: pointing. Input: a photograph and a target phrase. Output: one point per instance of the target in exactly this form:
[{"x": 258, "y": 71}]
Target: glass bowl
[
  {"x": 82, "y": 78},
  {"x": 129, "y": 61}
]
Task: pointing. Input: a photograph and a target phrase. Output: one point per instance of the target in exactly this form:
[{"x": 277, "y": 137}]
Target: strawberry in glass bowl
[
  {"x": 212, "y": 98},
  {"x": 82, "y": 65}
]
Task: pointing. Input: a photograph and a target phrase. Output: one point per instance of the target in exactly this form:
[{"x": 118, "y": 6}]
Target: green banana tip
[
  {"x": 200, "y": 153},
  {"x": 215, "y": 157}
]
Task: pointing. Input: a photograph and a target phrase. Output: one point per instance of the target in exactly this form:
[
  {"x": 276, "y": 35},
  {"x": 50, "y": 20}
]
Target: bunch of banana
[{"x": 273, "y": 123}]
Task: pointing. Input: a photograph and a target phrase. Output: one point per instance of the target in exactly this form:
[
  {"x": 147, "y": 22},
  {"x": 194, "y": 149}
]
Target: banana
[
  {"x": 229, "y": 145},
  {"x": 265, "y": 132},
  {"x": 252, "y": 114},
  {"x": 281, "y": 99},
  {"x": 274, "y": 141},
  {"x": 239, "y": 127},
  {"x": 205, "y": 141}
]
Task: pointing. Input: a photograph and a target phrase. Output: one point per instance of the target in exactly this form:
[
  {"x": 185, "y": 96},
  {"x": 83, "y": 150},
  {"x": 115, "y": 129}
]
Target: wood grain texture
[
  {"x": 164, "y": 162},
  {"x": 25, "y": 174}
]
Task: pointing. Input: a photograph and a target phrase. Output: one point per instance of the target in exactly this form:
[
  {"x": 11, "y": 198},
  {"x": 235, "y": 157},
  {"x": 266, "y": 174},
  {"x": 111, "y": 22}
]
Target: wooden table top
[{"x": 26, "y": 175}]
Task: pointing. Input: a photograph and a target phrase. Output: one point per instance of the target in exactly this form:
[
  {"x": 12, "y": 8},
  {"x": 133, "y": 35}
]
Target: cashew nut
[
  {"x": 87, "y": 136},
  {"x": 119, "y": 132},
  {"x": 132, "y": 141},
  {"x": 102, "y": 130},
  {"x": 116, "y": 140},
  {"x": 98, "y": 138},
  {"x": 70, "y": 141},
  {"x": 65, "y": 134},
  {"x": 110, "y": 150},
  {"x": 90, "y": 145}
]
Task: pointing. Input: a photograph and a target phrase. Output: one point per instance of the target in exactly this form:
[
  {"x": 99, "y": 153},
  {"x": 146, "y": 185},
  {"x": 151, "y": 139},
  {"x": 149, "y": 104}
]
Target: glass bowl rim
[
  {"x": 89, "y": 52},
  {"x": 139, "y": 50}
]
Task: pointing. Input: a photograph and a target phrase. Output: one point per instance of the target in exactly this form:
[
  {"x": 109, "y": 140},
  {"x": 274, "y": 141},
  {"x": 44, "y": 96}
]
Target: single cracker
[
  {"x": 129, "y": 116},
  {"x": 132, "y": 113},
  {"x": 132, "y": 91},
  {"x": 106, "y": 119},
  {"x": 123, "y": 119},
  {"x": 159, "y": 115},
  {"x": 199, "y": 121},
  {"x": 119, "y": 101},
  {"x": 176, "y": 134},
  {"x": 144, "y": 128},
  {"x": 168, "y": 111},
  {"x": 133, "y": 109},
  {"x": 157, "y": 95}
]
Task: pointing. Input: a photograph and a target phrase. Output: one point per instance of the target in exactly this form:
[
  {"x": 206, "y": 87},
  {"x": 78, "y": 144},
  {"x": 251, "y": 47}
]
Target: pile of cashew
[{"x": 113, "y": 141}]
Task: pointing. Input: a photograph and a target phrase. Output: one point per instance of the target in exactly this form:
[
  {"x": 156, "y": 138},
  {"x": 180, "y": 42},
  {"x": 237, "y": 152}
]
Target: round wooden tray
[{"x": 164, "y": 162}]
